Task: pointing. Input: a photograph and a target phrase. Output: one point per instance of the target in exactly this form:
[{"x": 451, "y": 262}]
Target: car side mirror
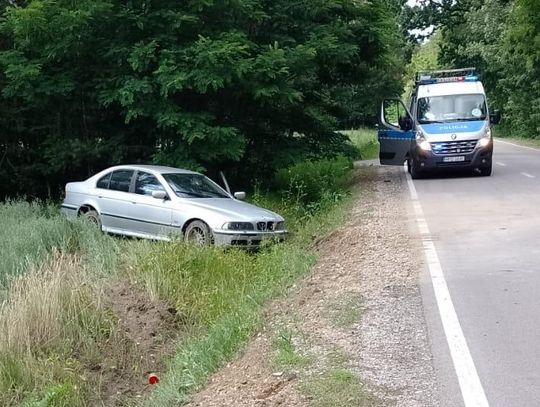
[
  {"x": 405, "y": 123},
  {"x": 495, "y": 117},
  {"x": 240, "y": 195},
  {"x": 159, "y": 194}
]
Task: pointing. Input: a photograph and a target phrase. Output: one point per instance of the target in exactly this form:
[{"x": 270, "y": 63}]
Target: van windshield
[{"x": 448, "y": 108}]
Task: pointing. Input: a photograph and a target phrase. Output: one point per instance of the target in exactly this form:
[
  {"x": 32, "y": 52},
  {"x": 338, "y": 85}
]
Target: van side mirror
[
  {"x": 405, "y": 123},
  {"x": 240, "y": 195},
  {"x": 495, "y": 117}
]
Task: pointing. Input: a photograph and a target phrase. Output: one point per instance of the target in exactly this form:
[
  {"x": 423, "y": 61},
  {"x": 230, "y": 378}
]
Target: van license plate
[{"x": 455, "y": 159}]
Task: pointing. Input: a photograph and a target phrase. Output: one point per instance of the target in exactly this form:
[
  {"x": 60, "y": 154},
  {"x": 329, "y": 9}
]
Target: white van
[{"x": 447, "y": 125}]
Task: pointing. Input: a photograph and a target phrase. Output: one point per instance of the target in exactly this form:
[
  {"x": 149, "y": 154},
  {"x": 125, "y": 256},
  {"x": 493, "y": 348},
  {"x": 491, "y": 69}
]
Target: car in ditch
[{"x": 162, "y": 203}]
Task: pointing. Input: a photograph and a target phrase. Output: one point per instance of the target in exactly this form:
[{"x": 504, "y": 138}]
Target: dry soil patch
[{"x": 147, "y": 330}]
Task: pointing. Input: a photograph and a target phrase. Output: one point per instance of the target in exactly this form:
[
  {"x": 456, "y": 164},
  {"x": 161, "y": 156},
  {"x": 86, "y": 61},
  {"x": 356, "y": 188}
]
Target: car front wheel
[{"x": 199, "y": 233}]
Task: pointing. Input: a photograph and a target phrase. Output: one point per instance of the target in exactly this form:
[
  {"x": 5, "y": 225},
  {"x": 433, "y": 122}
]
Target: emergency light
[{"x": 446, "y": 76}]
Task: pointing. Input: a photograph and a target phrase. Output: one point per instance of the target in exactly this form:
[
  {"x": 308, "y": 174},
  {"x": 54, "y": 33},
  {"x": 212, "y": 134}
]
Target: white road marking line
[
  {"x": 517, "y": 145},
  {"x": 501, "y": 164},
  {"x": 469, "y": 381},
  {"x": 527, "y": 175}
]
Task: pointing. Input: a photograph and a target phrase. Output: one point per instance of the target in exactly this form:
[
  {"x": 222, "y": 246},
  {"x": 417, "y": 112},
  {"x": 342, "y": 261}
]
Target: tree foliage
[
  {"x": 425, "y": 57},
  {"x": 246, "y": 85},
  {"x": 501, "y": 39},
  {"x": 521, "y": 69}
]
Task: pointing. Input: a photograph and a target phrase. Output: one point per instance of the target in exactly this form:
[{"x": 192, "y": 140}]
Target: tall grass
[
  {"x": 52, "y": 317},
  {"x": 32, "y": 231},
  {"x": 53, "y": 313}
]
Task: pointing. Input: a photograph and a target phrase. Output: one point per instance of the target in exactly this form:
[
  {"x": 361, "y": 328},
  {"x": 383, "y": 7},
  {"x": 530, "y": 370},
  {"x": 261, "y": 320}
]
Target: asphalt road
[{"x": 486, "y": 232}]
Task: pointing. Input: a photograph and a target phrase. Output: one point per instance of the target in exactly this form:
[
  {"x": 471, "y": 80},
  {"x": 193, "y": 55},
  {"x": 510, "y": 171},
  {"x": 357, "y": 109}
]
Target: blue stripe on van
[
  {"x": 456, "y": 127},
  {"x": 396, "y": 134}
]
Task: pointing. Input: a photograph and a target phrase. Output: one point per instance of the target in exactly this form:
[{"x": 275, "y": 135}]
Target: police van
[{"x": 447, "y": 124}]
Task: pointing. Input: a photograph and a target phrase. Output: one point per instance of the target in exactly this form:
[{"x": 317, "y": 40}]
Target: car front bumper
[
  {"x": 246, "y": 239},
  {"x": 480, "y": 157}
]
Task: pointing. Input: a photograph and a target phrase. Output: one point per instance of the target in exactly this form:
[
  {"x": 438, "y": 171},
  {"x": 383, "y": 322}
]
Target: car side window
[
  {"x": 103, "y": 182},
  {"x": 121, "y": 180},
  {"x": 146, "y": 183}
]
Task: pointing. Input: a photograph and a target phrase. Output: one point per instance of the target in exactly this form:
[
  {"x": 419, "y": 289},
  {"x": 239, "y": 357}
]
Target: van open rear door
[{"x": 396, "y": 133}]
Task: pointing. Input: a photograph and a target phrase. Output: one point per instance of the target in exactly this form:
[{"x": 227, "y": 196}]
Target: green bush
[{"x": 311, "y": 182}]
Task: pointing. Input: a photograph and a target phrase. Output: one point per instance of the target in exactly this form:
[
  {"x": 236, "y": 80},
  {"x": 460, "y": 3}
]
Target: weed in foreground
[
  {"x": 287, "y": 353},
  {"x": 338, "y": 387},
  {"x": 346, "y": 311}
]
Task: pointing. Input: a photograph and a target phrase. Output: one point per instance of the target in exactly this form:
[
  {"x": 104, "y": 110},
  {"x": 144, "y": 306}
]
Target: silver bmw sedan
[{"x": 157, "y": 202}]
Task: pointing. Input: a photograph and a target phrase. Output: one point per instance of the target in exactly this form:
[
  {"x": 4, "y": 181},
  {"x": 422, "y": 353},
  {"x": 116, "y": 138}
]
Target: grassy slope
[
  {"x": 220, "y": 293},
  {"x": 246, "y": 285}
]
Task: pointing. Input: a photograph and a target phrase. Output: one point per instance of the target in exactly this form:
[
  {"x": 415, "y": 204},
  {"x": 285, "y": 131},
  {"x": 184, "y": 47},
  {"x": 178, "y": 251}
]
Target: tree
[
  {"x": 520, "y": 60},
  {"x": 247, "y": 85},
  {"x": 477, "y": 41},
  {"x": 425, "y": 57}
]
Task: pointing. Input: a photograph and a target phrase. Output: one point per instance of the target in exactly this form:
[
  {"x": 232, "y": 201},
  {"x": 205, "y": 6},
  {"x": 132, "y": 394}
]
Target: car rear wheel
[
  {"x": 199, "y": 233},
  {"x": 93, "y": 217}
]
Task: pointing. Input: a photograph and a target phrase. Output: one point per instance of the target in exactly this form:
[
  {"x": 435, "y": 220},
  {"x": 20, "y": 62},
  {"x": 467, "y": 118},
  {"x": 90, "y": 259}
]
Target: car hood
[{"x": 233, "y": 209}]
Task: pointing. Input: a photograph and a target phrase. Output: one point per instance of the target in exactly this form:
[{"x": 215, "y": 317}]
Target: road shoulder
[{"x": 353, "y": 331}]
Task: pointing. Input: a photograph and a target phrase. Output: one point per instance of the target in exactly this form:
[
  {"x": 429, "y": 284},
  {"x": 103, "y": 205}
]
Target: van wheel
[
  {"x": 486, "y": 171},
  {"x": 199, "y": 233},
  {"x": 93, "y": 217},
  {"x": 416, "y": 172}
]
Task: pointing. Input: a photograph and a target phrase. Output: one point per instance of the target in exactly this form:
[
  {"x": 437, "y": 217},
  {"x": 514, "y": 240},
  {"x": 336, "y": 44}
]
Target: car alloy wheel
[{"x": 199, "y": 233}]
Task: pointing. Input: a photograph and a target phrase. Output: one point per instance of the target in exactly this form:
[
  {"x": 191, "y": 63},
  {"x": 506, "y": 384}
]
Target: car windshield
[
  {"x": 194, "y": 186},
  {"x": 448, "y": 108}
]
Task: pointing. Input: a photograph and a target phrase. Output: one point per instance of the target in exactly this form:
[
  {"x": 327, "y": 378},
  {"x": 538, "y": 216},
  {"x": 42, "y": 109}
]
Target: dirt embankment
[
  {"x": 353, "y": 332},
  {"x": 147, "y": 332}
]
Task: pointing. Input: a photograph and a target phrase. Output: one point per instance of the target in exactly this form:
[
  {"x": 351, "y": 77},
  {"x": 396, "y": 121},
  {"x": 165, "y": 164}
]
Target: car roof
[{"x": 153, "y": 168}]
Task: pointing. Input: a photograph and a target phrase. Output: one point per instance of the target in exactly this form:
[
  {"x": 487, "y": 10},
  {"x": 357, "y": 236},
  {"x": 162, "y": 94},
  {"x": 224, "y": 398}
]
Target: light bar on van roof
[
  {"x": 446, "y": 73},
  {"x": 428, "y": 80}
]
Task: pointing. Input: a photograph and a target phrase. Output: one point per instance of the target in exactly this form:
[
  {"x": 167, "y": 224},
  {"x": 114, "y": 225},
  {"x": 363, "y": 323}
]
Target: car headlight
[
  {"x": 484, "y": 141},
  {"x": 238, "y": 226},
  {"x": 422, "y": 142},
  {"x": 280, "y": 226}
]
